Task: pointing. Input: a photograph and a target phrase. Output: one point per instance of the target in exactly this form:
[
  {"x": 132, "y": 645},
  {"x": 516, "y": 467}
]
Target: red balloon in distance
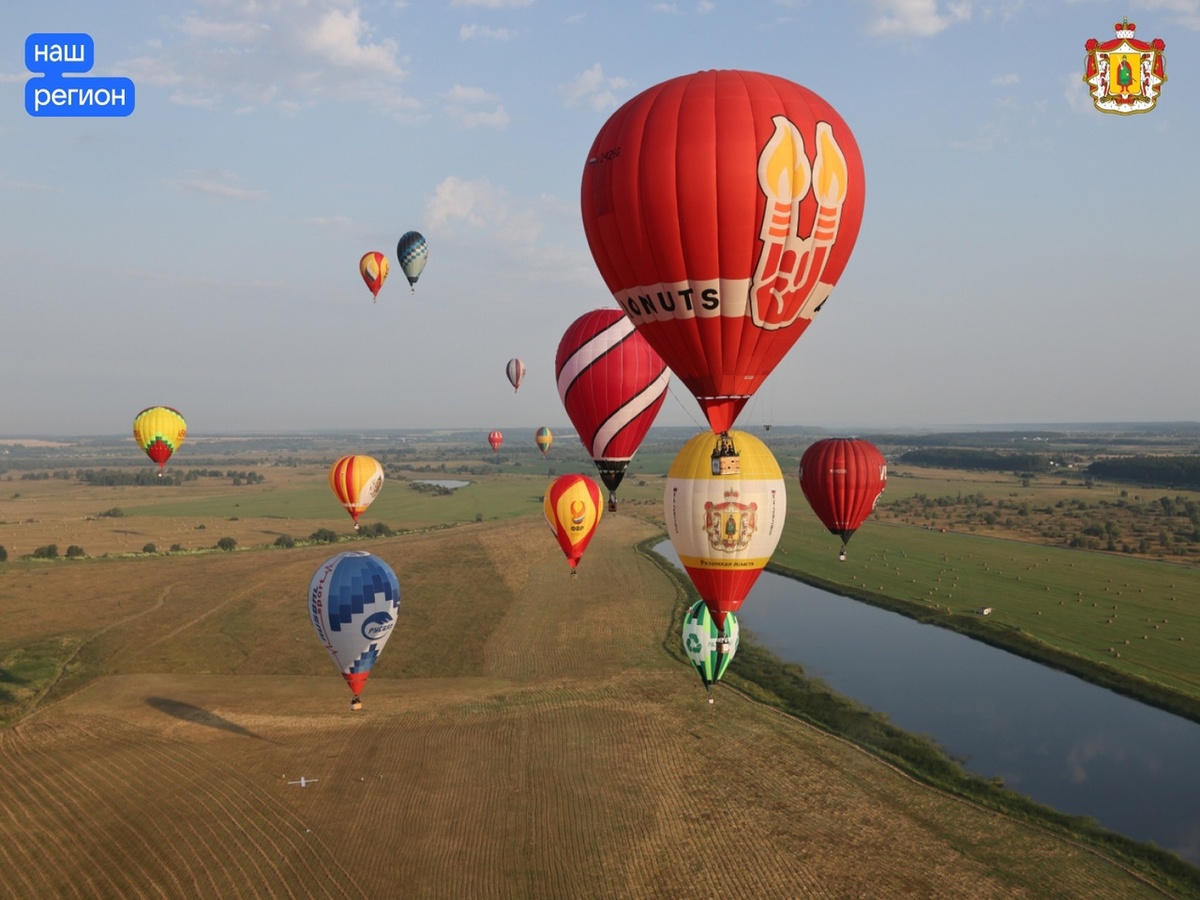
[
  {"x": 721, "y": 208},
  {"x": 842, "y": 479}
]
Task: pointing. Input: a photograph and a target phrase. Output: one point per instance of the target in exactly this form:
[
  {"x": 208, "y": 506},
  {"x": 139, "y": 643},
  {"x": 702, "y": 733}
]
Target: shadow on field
[{"x": 190, "y": 713}]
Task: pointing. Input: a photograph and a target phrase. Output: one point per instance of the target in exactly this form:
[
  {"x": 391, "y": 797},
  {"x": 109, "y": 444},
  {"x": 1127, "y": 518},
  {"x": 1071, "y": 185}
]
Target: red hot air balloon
[
  {"x": 612, "y": 385},
  {"x": 495, "y": 439},
  {"x": 721, "y": 209},
  {"x": 842, "y": 479}
]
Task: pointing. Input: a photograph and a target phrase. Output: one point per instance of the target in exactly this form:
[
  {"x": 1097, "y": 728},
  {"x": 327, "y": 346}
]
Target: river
[{"x": 1055, "y": 738}]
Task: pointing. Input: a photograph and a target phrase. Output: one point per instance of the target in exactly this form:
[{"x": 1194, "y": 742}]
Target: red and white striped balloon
[{"x": 612, "y": 384}]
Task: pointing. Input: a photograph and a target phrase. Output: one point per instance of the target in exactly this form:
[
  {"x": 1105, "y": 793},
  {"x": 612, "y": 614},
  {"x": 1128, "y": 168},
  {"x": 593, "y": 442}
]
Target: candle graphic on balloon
[{"x": 787, "y": 278}]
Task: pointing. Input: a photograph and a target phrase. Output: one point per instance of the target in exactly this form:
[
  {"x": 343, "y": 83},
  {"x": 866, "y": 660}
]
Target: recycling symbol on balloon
[{"x": 693, "y": 644}]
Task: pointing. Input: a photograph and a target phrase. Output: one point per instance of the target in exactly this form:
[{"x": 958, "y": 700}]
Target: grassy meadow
[{"x": 525, "y": 733}]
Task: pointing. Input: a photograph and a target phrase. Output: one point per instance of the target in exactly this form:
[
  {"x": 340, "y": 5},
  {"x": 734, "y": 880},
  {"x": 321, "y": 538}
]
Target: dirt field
[{"x": 524, "y": 735}]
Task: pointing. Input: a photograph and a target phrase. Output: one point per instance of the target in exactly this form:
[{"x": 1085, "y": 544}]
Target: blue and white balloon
[{"x": 353, "y": 602}]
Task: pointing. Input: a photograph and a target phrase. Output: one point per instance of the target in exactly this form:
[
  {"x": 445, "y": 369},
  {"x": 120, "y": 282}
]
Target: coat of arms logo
[
  {"x": 730, "y": 525},
  {"x": 1125, "y": 75}
]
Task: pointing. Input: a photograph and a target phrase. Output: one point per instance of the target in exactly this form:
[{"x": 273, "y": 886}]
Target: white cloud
[
  {"x": 463, "y": 105},
  {"x": 339, "y": 222},
  {"x": 493, "y": 4},
  {"x": 1006, "y": 79},
  {"x": 1186, "y": 12},
  {"x": 285, "y": 54},
  {"x": 914, "y": 18},
  {"x": 338, "y": 37},
  {"x": 218, "y": 183},
  {"x": 474, "y": 203},
  {"x": 34, "y": 186},
  {"x": 1076, "y": 92},
  {"x": 593, "y": 88},
  {"x": 485, "y": 33},
  {"x": 670, "y": 8}
]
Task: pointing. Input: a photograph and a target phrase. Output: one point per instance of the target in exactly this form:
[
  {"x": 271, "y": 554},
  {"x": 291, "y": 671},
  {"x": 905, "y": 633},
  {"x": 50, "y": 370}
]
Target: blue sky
[{"x": 1023, "y": 257}]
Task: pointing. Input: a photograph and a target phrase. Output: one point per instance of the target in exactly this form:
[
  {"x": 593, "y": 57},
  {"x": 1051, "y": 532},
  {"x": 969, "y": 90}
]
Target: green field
[{"x": 565, "y": 699}]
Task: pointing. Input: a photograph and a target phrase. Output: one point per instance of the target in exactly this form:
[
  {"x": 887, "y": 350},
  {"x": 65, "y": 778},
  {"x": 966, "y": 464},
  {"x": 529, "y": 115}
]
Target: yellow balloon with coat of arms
[{"x": 725, "y": 504}]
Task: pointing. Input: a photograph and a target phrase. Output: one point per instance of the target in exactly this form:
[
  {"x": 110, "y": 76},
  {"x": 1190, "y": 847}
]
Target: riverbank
[
  {"x": 763, "y": 677},
  {"x": 1014, "y": 640}
]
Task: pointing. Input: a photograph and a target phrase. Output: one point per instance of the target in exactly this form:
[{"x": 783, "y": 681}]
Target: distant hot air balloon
[
  {"x": 573, "y": 507},
  {"x": 356, "y": 480},
  {"x": 495, "y": 438},
  {"x": 612, "y": 385},
  {"x": 515, "y": 370},
  {"x": 353, "y": 600},
  {"x": 374, "y": 270},
  {"x": 842, "y": 479},
  {"x": 159, "y": 430},
  {"x": 721, "y": 208},
  {"x": 709, "y": 648},
  {"x": 725, "y": 504},
  {"x": 413, "y": 252},
  {"x": 544, "y": 438}
]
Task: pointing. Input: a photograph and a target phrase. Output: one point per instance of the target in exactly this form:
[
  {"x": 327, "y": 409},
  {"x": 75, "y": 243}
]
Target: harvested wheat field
[{"x": 525, "y": 734}]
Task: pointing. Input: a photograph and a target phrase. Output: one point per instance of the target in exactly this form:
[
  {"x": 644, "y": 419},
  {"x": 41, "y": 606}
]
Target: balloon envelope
[
  {"x": 709, "y": 648},
  {"x": 842, "y": 479},
  {"x": 356, "y": 481},
  {"x": 573, "y": 508},
  {"x": 724, "y": 515},
  {"x": 495, "y": 439},
  {"x": 374, "y": 270},
  {"x": 353, "y": 600},
  {"x": 721, "y": 208},
  {"x": 515, "y": 370},
  {"x": 612, "y": 385},
  {"x": 544, "y": 438},
  {"x": 159, "y": 430},
  {"x": 413, "y": 252}
]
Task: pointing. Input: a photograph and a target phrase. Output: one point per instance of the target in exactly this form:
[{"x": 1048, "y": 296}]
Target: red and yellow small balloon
[
  {"x": 573, "y": 506},
  {"x": 374, "y": 270},
  {"x": 159, "y": 430},
  {"x": 356, "y": 481}
]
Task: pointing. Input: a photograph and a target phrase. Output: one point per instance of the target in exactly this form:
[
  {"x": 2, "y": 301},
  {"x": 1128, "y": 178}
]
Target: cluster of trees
[
  {"x": 50, "y": 551},
  {"x": 426, "y": 487},
  {"x": 981, "y": 460},
  {"x": 329, "y": 536},
  {"x": 145, "y": 476},
  {"x": 1179, "y": 472},
  {"x": 1166, "y": 525}
]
